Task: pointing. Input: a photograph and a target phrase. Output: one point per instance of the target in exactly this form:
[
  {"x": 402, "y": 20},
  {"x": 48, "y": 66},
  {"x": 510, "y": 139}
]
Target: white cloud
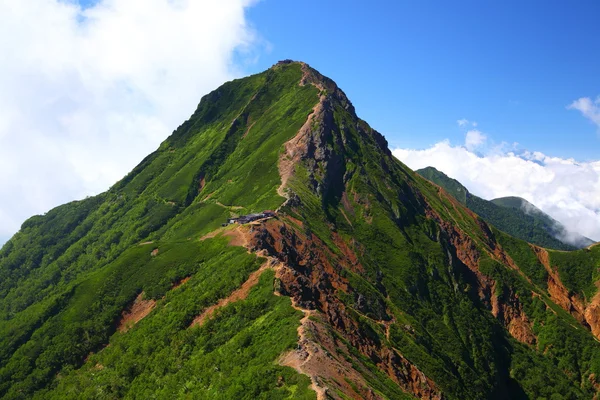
[
  {"x": 465, "y": 122},
  {"x": 590, "y": 109},
  {"x": 86, "y": 94},
  {"x": 567, "y": 190},
  {"x": 474, "y": 139}
]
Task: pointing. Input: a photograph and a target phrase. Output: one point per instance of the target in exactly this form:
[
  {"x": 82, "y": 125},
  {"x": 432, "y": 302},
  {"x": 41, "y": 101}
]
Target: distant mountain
[
  {"x": 513, "y": 215},
  {"x": 452, "y": 186},
  {"x": 364, "y": 281},
  {"x": 556, "y": 229}
]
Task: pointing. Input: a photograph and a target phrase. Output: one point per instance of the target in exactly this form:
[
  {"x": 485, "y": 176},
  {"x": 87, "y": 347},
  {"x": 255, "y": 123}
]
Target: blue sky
[{"x": 413, "y": 68}]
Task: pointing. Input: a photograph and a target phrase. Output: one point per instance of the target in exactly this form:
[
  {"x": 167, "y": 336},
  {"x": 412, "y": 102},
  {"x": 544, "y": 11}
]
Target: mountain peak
[
  {"x": 452, "y": 186},
  {"x": 369, "y": 281}
]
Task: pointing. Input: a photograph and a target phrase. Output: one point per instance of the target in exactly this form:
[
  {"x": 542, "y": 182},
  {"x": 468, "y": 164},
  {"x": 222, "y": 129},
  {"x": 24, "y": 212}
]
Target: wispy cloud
[
  {"x": 465, "y": 123},
  {"x": 588, "y": 107},
  {"x": 86, "y": 94},
  {"x": 567, "y": 190}
]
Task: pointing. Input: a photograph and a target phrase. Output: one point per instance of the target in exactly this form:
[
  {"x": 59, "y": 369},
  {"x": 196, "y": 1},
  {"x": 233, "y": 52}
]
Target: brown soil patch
[
  {"x": 135, "y": 313},
  {"x": 180, "y": 282},
  {"x": 239, "y": 294},
  {"x": 145, "y": 243},
  {"x": 239, "y": 236},
  {"x": 154, "y": 252}
]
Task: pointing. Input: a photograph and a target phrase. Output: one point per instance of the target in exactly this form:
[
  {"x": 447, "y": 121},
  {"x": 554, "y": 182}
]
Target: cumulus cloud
[
  {"x": 588, "y": 107},
  {"x": 567, "y": 190},
  {"x": 86, "y": 93},
  {"x": 474, "y": 139}
]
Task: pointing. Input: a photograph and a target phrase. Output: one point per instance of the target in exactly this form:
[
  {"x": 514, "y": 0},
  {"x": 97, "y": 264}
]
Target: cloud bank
[
  {"x": 567, "y": 190},
  {"x": 85, "y": 94}
]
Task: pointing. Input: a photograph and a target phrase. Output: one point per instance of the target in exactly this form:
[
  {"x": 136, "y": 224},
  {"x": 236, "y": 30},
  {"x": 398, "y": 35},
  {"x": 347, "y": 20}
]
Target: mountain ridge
[
  {"x": 367, "y": 272},
  {"x": 525, "y": 221}
]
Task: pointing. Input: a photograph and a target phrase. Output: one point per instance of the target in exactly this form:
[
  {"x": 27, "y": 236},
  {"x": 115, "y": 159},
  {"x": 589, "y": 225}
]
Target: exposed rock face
[
  {"x": 463, "y": 251},
  {"x": 317, "y": 356},
  {"x": 587, "y": 313},
  {"x": 511, "y": 315},
  {"x": 592, "y": 314},
  {"x": 320, "y": 144},
  {"x": 310, "y": 275}
]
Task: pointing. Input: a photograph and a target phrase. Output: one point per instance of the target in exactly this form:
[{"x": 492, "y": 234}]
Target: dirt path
[
  {"x": 296, "y": 146},
  {"x": 240, "y": 293},
  {"x": 212, "y": 234},
  {"x": 230, "y": 207},
  {"x": 238, "y": 236},
  {"x": 316, "y": 352},
  {"x": 300, "y": 358},
  {"x": 318, "y": 357}
]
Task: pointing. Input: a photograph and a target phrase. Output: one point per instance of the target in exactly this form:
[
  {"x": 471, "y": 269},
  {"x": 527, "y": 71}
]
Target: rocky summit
[{"x": 273, "y": 248}]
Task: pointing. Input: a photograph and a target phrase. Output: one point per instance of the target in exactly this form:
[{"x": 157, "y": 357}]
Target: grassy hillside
[
  {"x": 67, "y": 275},
  {"x": 452, "y": 186},
  {"x": 370, "y": 282}
]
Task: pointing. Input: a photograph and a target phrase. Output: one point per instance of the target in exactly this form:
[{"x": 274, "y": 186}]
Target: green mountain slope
[
  {"x": 369, "y": 283},
  {"x": 452, "y": 186},
  {"x": 513, "y": 215},
  {"x": 554, "y": 227}
]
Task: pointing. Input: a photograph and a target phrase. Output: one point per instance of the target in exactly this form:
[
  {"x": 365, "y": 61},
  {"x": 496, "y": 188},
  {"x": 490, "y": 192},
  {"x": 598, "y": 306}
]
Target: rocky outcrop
[
  {"x": 311, "y": 276},
  {"x": 586, "y": 313},
  {"x": 592, "y": 314},
  {"x": 510, "y": 313},
  {"x": 321, "y": 143},
  {"x": 463, "y": 252}
]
